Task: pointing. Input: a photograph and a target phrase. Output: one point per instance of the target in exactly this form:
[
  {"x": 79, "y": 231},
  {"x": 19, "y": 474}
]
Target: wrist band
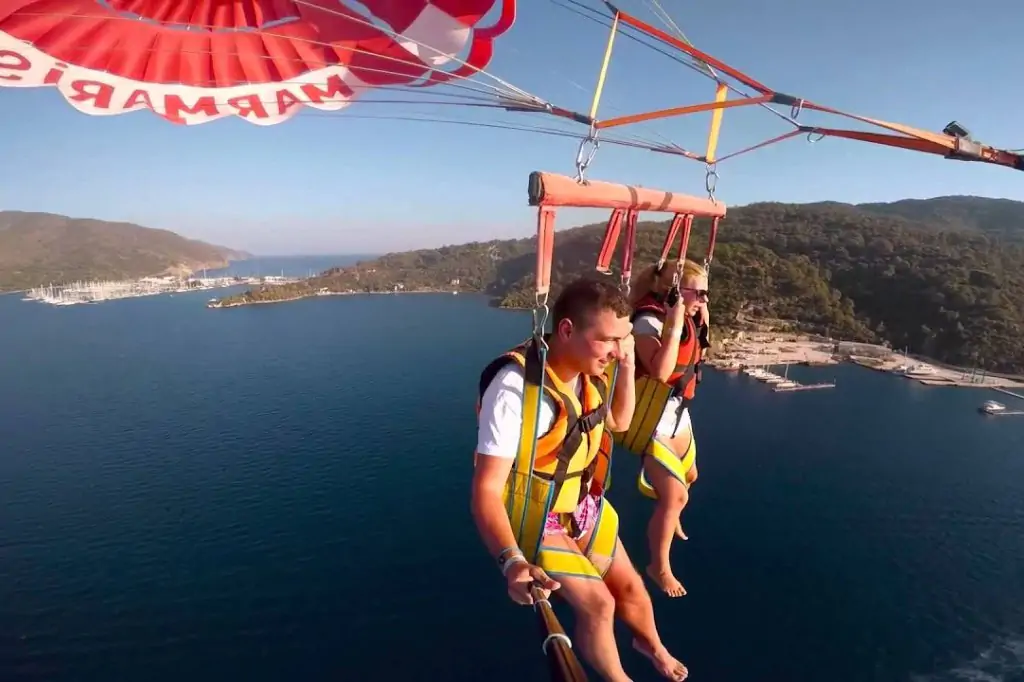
[
  {"x": 503, "y": 554},
  {"x": 514, "y": 559}
]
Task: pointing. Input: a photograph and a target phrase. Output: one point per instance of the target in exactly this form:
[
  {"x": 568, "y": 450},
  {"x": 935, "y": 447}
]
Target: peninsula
[
  {"x": 943, "y": 277},
  {"x": 40, "y": 249}
]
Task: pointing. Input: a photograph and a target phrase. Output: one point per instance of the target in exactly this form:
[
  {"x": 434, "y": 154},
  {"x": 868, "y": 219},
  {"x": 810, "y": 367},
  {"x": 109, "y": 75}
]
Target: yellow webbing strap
[
  {"x": 721, "y": 93},
  {"x": 528, "y": 528},
  {"x": 604, "y": 538},
  {"x": 675, "y": 466},
  {"x": 651, "y": 397}
]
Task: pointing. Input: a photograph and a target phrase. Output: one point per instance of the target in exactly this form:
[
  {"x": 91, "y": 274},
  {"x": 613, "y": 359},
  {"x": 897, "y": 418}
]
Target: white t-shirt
[
  {"x": 501, "y": 412},
  {"x": 671, "y": 423}
]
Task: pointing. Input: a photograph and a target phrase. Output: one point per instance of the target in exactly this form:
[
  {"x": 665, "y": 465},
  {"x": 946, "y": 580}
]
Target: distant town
[{"x": 107, "y": 290}]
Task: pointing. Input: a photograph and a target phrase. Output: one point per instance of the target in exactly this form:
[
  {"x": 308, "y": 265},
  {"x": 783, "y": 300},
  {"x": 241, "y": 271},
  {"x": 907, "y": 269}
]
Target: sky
[{"x": 325, "y": 183}]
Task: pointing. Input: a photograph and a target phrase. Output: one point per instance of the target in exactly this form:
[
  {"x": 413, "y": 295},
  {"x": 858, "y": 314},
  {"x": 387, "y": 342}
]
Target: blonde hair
[{"x": 649, "y": 281}]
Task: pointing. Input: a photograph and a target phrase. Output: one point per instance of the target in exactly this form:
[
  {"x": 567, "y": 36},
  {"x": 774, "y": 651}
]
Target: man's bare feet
[
  {"x": 679, "y": 530},
  {"x": 663, "y": 661},
  {"x": 664, "y": 579}
]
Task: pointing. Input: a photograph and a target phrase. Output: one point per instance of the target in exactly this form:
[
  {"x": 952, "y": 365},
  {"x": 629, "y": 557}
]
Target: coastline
[
  {"x": 750, "y": 349},
  {"x": 240, "y": 304},
  {"x": 768, "y": 349}
]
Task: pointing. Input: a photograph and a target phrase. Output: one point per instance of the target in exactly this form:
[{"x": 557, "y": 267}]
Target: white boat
[
  {"x": 786, "y": 384},
  {"x": 992, "y": 407}
]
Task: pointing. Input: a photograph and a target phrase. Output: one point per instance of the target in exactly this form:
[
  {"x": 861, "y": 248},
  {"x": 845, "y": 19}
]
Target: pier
[
  {"x": 804, "y": 387},
  {"x": 1015, "y": 395},
  {"x": 782, "y": 383}
]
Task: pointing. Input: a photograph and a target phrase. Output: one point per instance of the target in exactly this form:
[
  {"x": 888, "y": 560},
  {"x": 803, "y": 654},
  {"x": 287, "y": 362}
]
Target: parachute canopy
[{"x": 194, "y": 61}]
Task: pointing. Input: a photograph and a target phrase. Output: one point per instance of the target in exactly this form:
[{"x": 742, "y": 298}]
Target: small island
[{"x": 943, "y": 277}]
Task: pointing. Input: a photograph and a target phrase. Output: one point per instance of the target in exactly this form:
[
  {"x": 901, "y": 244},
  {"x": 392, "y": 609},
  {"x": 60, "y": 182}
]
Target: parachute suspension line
[
  {"x": 590, "y": 144},
  {"x": 684, "y": 245},
  {"x": 953, "y": 143},
  {"x": 467, "y": 69},
  {"x": 473, "y": 86}
]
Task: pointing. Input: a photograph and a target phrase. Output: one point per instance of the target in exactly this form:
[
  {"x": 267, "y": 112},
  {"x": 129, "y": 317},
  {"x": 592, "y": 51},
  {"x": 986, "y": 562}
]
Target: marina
[
  {"x": 82, "y": 292},
  {"x": 781, "y": 383}
]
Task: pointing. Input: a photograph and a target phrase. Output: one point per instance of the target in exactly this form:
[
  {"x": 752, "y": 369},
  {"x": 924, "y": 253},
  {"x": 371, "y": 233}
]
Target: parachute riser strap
[
  {"x": 611, "y": 239},
  {"x": 684, "y": 246},
  {"x": 535, "y": 366},
  {"x": 670, "y": 239},
  {"x": 590, "y": 144},
  {"x": 712, "y": 238}
]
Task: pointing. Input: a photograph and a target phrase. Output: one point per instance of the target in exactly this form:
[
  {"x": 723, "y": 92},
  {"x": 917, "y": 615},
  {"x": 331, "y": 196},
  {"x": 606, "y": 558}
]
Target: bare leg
[
  {"x": 594, "y": 606},
  {"x": 664, "y": 523},
  {"x": 691, "y": 478},
  {"x": 634, "y": 608}
]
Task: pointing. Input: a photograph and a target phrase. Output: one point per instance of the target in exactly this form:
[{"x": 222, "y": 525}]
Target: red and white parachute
[{"x": 194, "y": 61}]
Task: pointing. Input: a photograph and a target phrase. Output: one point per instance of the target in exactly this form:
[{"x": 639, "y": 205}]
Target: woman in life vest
[{"x": 669, "y": 326}]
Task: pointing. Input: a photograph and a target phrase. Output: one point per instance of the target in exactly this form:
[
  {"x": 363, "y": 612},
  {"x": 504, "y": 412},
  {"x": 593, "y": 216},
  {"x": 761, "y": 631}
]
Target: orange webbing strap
[
  {"x": 611, "y": 239},
  {"x": 950, "y": 145},
  {"x": 692, "y": 51},
  {"x": 684, "y": 241},
  {"x": 545, "y": 250},
  {"x": 670, "y": 238},
  {"x": 711, "y": 242},
  {"x": 629, "y": 249}
]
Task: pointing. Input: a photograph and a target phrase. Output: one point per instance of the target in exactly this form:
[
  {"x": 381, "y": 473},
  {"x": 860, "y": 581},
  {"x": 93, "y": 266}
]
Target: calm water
[{"x": 281, "y": 492}]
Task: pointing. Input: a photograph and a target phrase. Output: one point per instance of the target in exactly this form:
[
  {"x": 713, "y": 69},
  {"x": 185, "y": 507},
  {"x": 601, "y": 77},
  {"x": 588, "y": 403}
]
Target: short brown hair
[{"x": 583, "y": 298}]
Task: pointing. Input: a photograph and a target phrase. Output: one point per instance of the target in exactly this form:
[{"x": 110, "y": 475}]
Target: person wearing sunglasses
[{"x": 670, "y": 325}]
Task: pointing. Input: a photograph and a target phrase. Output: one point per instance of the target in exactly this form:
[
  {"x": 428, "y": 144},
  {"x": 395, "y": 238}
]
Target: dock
[
  {"x": 1006, "y": 392},
  {"x": 804, "y": 387}
]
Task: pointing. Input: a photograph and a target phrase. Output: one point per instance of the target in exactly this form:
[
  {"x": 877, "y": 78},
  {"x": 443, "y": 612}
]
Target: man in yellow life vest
[{"x": 541, "y": 469}]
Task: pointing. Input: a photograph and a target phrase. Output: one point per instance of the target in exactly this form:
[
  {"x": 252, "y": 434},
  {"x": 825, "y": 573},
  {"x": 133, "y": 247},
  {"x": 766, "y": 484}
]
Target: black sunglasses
[{"x": 701, "y": 293}]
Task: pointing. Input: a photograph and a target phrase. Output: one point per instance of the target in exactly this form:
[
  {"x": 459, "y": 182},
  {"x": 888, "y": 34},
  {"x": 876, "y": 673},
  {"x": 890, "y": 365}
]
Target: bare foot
[
  {"x": 663, "y": 661},
  {"x": 668, "y": 583},
  {"x": 679, "y": 530}
]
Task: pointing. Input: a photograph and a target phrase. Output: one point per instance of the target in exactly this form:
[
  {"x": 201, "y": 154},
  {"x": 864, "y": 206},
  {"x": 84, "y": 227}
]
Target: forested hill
[
  {"x": 41, "y": 248},
  {"x": 942, "y": 276}
]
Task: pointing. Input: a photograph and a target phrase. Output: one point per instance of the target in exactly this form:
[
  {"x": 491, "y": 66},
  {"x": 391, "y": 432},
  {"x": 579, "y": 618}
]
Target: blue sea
[{"x": 280, "y": 492}]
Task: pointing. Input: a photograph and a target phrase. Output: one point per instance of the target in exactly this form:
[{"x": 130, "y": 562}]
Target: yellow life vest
[{"x": 555, "y": 470}]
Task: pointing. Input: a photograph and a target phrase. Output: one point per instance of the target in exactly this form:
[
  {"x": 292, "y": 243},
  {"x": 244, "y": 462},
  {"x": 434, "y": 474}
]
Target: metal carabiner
[
  {"x": 711, "y": 180},
  {"x": 585, "y": 154}
]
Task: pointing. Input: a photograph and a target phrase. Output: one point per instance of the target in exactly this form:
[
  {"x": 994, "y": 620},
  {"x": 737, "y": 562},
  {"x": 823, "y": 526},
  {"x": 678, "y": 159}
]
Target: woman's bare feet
[
  {"x": 663, "y": 661},
  {"x": 679, "y": 530},
  {"x": 664, "y": 579}
]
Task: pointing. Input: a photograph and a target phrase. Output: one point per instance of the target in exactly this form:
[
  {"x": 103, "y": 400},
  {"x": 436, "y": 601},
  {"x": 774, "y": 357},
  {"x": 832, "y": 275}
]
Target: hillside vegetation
[
  {"x": 944, "y": 276},
  {"x": 41, "y": 248}
]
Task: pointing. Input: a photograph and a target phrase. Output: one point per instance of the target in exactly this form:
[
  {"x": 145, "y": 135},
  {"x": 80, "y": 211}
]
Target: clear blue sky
[{"x": 325, "y": 183}]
